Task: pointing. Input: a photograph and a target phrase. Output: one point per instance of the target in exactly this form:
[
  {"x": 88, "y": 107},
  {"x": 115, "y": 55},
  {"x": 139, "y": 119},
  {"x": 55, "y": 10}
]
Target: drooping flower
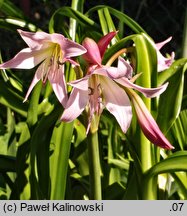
[
  {"x": 52, "y": 51},
  {"x": 164, "y": 62},
  {"x": 100, "y": 89},
  {"x": 148, "y": 124}
]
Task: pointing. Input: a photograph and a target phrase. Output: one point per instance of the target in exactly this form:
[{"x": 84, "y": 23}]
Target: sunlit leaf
[
  {"x": 60, "y": 159},
  {"x": 121, "y": 16},
  {"x": 175, "y": 162},
  {"x": 179, "y": 129},
  {"x": 15, "y": 23},
  {"x": 40, "y": 152},
  {"x": 174, "y": 92},
  {"x": 71, "y": 13}
]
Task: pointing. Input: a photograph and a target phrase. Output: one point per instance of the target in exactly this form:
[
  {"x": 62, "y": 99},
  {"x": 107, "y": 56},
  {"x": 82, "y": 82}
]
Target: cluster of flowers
[{"x": 103, "y": 86}]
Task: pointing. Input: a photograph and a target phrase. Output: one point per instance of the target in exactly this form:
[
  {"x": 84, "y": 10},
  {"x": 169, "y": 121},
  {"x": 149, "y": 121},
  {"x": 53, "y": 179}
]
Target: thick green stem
[
  {"x": 149, "y": 190},
  {"x": 94, "y": 166},
  {"x": 145, "y": 152}
]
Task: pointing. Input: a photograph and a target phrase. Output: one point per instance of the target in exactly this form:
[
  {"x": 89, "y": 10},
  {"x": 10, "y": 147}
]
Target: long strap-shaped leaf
[
  {"x": 121, "y": 16},
  {"x": 71, "y": 13},
  {"x": 62, "y": 137},
  {"x": 174, "y": 163},
  {"x": 40, "y": 142},
  {"x": 175, "y": 76}
]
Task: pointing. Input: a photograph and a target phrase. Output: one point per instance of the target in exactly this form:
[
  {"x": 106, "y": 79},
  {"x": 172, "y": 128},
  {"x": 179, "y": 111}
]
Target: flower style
[
  {"x": 163, "y": 62},
  {"x": 100, "y": 89},
  {"x": 52, "y": 51}
]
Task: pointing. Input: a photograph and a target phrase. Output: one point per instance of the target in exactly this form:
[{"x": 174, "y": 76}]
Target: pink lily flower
[
  {"x": 93, "y": 91},
  {"x": 52, "y": 51},
  {"x": 148, "y": 124},
  {"x": 99, "y": 89},
  {"x": 163, "y": 62}
]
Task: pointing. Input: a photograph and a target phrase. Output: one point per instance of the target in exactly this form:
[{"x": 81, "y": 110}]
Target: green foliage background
[{"x": 43, "y": 158}]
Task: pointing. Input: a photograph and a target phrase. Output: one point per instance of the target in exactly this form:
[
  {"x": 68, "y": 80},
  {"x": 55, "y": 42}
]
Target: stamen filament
[{"x": 117, "y": 54}]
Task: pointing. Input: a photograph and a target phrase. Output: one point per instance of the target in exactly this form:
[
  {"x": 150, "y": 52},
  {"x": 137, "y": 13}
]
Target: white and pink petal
[
  {"x": 37, "y": 77},
  {"x": 26, "y": 59},
  {"x": 81, "y": 84},
  {"x": 122, "y": 70},
  {"x": 34, "y": 39},
  {"x": 161, "y": 44},
  {"x": 75, "y": 105},
  {"x": 148, "y": 92},
  {"x": 117, "y": 102},
  {"x": 69, "y": 48},
  {"x": 164, "y": 62},
  {"x": 57, "y": 80}
]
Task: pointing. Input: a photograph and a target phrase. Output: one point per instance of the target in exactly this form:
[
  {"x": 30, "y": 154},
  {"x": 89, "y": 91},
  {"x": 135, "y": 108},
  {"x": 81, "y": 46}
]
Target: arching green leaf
[{"x": 174, "y": 92}]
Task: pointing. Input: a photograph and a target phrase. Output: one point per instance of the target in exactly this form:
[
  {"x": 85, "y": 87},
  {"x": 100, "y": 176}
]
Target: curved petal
[
  {"x": 72, "y": 49},
  {"x": 93, "y": 54},
  {"x": 37, "y": 77},
  {"x": 75, "y": 105},
  {"x": 81, "y": 84},
  {"x": 149, "y": 125},
  {"x": 163, "y": 62},
  {"x": 103, "y": 71},
  {"x": 69, "y": 47},
  {"x": 34, "y": 40},
  {"x": 148, "y": 92},
  {"x": 26, "y": 59},
  {"x": 58, "y": 83},
  {"x": 104, "y": 42},
  {"x": 111, "y": 72},
  {"x": 117, "y": 102},
  {"x": 124, "y": 67},
  {"x": 122, "y": 70},
  {"x": 161, "y": 44},
  {"x": 74, "y": 63}
]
